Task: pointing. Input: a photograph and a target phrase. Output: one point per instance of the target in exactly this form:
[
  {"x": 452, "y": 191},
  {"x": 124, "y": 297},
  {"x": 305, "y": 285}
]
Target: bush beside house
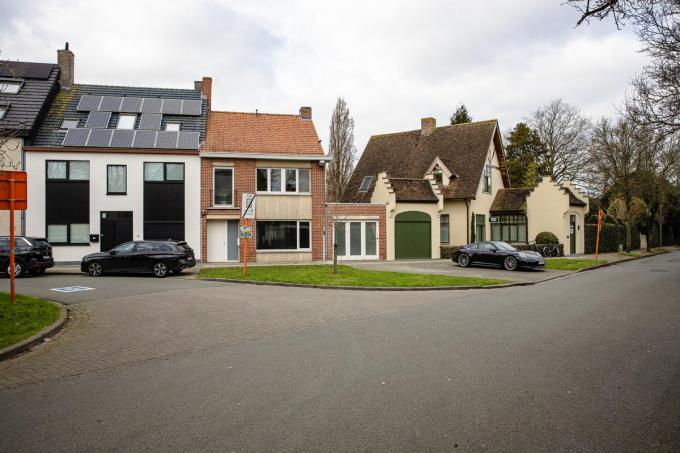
[
  {"x": 611, "y": 237},
  {"x": 546, "y": 237}
]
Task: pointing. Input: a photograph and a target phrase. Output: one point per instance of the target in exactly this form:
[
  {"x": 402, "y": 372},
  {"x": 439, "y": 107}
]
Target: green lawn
[
  {"x": 568, "y": 264},
  {"x": 27, "y": 316},
  {"x": 346, "y": 276}
]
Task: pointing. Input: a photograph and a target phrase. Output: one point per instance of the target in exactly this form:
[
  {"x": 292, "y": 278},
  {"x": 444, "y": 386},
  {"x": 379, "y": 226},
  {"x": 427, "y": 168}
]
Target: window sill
[
  {"x": 285, "y": 251},
  {"x": 219, "y": 206},
  {"x": 116, "y": 193}
]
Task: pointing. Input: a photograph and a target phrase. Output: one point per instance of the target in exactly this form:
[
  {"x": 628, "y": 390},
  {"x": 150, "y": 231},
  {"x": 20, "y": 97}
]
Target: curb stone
[
  {"x": 12, "y": 350},
  {"x": 425, "y": 288}
]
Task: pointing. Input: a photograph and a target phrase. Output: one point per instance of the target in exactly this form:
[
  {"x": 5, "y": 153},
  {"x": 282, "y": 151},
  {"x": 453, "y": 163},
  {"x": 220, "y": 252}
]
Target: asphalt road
[{"x": 588, "y": 362}]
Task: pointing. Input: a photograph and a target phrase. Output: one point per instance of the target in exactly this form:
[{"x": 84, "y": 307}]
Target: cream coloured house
[{"x": 447, "y": 186}]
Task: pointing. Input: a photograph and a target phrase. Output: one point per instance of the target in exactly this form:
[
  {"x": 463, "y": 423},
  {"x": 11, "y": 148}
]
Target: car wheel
[
  {"x": 160, "y": 269},
  {"x": 510, "y": 263},
  {"x": 18, "y": 269},
  {"x": 95, "y": 269},
  {"x": 463, "y": 260}
]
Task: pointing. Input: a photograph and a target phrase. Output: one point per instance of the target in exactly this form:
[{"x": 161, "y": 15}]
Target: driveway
[
  {"x": 446, "y": 267},
  {"x": 588, "y": 362}
]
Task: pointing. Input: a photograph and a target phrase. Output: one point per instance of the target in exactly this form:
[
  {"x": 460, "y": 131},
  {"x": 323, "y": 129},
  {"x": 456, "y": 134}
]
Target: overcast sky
[{"x": 393, "y": 61}]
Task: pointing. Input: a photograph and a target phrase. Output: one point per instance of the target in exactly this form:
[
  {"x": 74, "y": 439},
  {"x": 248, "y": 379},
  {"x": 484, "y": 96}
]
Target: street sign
[
  {"x": 246, "y": 232},
  {"x": 13, "y": 196},
  {"x": 248, "y": 206}
]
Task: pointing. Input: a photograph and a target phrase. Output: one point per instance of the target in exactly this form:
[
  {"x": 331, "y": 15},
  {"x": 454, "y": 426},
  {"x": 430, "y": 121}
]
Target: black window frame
[
  {"x": 259, "y": 229},
  {"x": 67, "y": 180},
  {"x": 365, "y": 184},
  {"x": 233, "y": 187},
  {"x": 509, "y": 220},
  {"x": 156, "y": 215},
  {"x": 108, "y": 189},
  {"x": 165, "y": 172},
  {"x": 448, "y": 228}
]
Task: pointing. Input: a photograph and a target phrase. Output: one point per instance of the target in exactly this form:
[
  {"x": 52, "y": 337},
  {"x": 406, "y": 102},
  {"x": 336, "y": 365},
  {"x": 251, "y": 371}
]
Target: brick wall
[
  {"x": 245, "y": 182},
  {"x": 244, "y": 171},
  {"x": 338, "y": 210}
]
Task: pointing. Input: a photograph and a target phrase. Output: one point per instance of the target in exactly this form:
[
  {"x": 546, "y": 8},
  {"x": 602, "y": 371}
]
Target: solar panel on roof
[
  {"x": 131, "y": 105},
  {"x": 100, "y": 137},
  {"x": 110, "y": 104},
  {"x": 150, "y": 121},
  {"x": 151, "y": 105},
  {"x": 188, "y": 140},
  {"x": 98, "y": 120},
  {"x": 144, "y": 139},
  {"x": 190, "y": 107},
  {"x": 76, "y": 137},
  {"x": 167, "y": 139},
  {"x": 172, "y": 106},
  {"x": 88, "y": 103},
  {"x": 122, "y": 138}
]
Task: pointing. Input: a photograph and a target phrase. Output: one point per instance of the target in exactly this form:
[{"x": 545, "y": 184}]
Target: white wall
[
  {"x": 99, "y": 201},
  {"x": 483, "y": 200}
]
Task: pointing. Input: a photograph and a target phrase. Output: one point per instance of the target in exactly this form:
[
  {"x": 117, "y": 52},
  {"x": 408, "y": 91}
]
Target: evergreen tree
[
  {"x": 523, "y": 150},
  {"x": 461, "y": 115}
]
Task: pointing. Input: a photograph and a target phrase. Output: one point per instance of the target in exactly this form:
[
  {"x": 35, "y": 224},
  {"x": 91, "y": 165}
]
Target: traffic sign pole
[{"x": 11, "y": 239}]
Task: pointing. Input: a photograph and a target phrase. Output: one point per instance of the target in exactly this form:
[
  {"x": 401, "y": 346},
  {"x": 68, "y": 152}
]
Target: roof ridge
[
  {"x": 84, "y": 85},
  {"x": 438, "y": 127},
  {"x": 255, "y": 113}
]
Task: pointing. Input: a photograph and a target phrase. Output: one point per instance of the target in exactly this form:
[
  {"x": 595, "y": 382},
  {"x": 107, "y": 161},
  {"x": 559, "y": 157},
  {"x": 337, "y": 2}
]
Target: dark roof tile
[
  {"x": 510, "y": 200},
  {"x": 406, "y": 189}
]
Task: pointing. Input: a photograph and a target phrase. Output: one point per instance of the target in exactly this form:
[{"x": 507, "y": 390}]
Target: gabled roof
[
  {"x": 265, "y": 133},
  {"x": 510, "y": 200},
  {"x": 408, "y": 189},
  {"x": 40, "y": 82},
  {"x": 463, "y": 147},
  {"x": 66, "y": 102}
]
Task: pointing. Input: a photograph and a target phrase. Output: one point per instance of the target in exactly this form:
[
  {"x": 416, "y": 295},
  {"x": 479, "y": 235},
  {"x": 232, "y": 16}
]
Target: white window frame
[
  {"x": 127, "y": 115},
  {"x": 173, "y": 124},
  {"x": 6, "y": 83},
  {"x": 363, "y": 256},
  {"x": 296, "y": 250},
  {"x": 283, "y": 181},
  {"x": 233, "y": 194}
]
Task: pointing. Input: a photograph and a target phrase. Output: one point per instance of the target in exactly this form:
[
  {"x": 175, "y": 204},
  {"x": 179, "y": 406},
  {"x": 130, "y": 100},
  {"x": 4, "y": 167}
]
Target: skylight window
[
  {"x": 10, "y": 86},
  {"x": 172, "y": 127},
  {"x": 126, "y": 121},
  {"x": 69, "y": 124},
  {"x": 3, "y": 110},
  {"x": 366, "y": 183}
]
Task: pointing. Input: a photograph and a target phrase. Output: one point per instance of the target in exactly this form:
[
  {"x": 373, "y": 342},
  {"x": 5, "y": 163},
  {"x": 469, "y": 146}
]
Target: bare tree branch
[{"x": 342, "y": 151}]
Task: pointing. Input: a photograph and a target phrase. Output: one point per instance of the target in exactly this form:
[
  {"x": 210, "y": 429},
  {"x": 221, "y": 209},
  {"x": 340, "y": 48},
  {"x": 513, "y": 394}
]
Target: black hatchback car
[
  {"x": 497, "y": 253},
  {"x": 157, "y": 257},
  {"x": 31, "y": 255}
]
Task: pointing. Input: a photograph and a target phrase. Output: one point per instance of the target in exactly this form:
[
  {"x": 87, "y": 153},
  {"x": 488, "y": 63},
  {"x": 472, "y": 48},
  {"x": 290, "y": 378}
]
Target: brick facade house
[{"x": 279, "y": 158}]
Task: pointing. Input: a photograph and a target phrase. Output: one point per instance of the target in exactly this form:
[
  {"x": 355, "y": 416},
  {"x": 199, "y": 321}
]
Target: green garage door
[{"x": 413, "y": 235}]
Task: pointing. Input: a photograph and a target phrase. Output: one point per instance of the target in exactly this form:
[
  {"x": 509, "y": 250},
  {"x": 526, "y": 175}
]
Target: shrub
[
  {"x": 447, "y": 251},
  {"x": 546, "y": 237},
  {"x": 611, "y": 237}
]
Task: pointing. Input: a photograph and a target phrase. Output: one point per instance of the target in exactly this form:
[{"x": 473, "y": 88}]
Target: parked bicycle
[{"x": 551, "y": 250}]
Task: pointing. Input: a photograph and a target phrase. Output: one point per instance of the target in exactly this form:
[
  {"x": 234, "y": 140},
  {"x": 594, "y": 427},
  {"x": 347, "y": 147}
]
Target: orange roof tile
[{"x": 260, "y": 133}]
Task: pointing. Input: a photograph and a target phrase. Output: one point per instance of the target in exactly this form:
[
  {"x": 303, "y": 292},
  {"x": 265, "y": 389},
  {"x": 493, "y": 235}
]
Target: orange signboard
[{"x": 20, "y": 191}]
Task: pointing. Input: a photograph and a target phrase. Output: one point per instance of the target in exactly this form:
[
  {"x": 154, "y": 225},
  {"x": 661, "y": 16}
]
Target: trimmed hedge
[
  {"x": 668, "y": 236},
  {"x": 611, "y": 237},
  {"x": 546, "y": 237},
  {"x": 447, "y": 251}
]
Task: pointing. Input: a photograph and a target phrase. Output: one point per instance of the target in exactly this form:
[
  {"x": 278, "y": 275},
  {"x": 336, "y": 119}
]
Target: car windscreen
[{"x": 505, "y": 246}]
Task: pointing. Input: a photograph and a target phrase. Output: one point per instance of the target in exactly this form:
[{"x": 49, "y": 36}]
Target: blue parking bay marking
[{"x": 71, "y": 289}]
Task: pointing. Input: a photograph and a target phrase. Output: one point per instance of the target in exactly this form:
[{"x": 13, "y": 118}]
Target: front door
[
  {"x": 223, "y": 241},
  {"x": 572, "y": 234},
  {"x": 115, "y": 228}
]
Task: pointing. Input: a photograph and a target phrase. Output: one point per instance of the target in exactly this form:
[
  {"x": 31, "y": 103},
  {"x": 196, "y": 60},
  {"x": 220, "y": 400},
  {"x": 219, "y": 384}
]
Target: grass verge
[
  {"x": 27, "y": 316},
  {"x": 346, "y": 276},
  {"x": 568, "y": 264}
]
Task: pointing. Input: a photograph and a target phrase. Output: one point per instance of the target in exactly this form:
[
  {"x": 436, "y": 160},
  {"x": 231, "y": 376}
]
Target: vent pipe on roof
[{"x": 65, "y": 60}]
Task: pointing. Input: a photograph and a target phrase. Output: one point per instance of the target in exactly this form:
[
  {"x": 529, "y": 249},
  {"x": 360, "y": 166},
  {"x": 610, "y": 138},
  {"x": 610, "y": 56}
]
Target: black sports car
[
  {"x": 157, "y": 257},
  {"x": 496, "y": 253}
]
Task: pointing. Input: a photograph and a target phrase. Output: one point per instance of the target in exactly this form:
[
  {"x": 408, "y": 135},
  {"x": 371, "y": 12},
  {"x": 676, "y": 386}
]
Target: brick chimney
[
  {"x": 427, "y": 126},
  {"x": 65, "y": 60},
  {"x": 205, "y": 86},
  {"x": 305, "y": 113}
]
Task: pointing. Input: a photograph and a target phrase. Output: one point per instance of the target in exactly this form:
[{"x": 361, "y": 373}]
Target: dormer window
[
  {"x": 366, "y": 184},
  {"x": 172, "y": 127},
  {"x": 438, "y": 175},
  {"x": 10, "y": 86},
  {"x": 126, "y": 121}
]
